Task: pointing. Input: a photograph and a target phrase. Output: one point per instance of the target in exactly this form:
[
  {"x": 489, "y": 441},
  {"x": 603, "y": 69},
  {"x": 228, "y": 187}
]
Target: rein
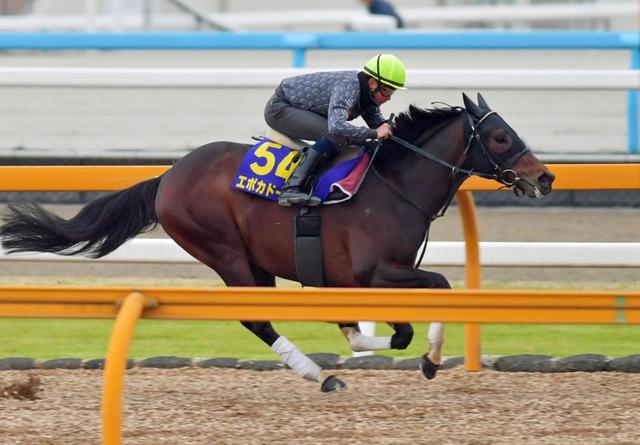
[{"x": 457, "y": 170}]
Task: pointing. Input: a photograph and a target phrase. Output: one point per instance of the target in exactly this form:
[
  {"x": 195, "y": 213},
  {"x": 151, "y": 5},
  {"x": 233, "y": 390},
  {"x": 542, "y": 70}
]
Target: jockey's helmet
[{"x": 387, "y": 69}]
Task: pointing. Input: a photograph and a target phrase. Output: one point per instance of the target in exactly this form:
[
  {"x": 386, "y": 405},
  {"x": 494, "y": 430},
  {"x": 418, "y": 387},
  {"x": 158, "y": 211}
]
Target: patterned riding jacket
[{"x": 341, "y": 96}]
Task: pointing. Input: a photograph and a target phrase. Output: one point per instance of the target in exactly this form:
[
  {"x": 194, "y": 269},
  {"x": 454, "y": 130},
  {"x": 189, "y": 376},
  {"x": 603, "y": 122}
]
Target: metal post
[
  {"x": 633, "y": 114},
  {"x": 90, "y": 15},
  {"x": 118, "y": 15},
  {"x": 115, "y": 366},
  {"x": 147, "y": 14},
  {"x": 473, "y": 276},
  {"x": 299, "y": 57}
]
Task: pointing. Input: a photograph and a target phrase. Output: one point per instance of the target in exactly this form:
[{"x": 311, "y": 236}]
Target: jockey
[{"x": 317, "y": 107}]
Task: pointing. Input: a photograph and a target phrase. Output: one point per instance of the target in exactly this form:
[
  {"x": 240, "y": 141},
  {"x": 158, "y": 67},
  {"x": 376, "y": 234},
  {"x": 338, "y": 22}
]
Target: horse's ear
[
  {"x": 471, "y": 106},
  {"x": 470, "y": 120},
  {"x": 483, "y": 103}
]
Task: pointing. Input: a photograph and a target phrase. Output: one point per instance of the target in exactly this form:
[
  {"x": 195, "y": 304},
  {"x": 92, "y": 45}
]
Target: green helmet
[{"x": 387, "y": 69}]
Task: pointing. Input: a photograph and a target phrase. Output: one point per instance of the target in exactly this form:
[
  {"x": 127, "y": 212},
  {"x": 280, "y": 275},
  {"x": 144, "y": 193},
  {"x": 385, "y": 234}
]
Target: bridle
[{"x": 500, "y": 163}]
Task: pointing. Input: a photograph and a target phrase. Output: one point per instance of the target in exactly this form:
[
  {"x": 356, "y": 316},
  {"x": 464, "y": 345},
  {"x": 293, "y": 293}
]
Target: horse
[{"x": 372, "y": 240}]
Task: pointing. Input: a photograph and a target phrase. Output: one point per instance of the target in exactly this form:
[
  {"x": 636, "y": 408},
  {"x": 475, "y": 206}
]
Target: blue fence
[{"x": 300, "y": 43}]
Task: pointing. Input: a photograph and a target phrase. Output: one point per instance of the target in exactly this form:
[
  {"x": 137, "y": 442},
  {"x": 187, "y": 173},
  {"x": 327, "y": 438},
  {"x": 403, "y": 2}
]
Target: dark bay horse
[{"x": 370, "y": 241}]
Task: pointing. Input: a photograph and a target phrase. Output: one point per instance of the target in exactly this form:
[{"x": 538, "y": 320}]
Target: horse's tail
[{"x": 101, "y": 226}]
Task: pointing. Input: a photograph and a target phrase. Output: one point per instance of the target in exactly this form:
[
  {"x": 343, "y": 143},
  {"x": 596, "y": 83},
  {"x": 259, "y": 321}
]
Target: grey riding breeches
[{"x": 294, "y": 122}]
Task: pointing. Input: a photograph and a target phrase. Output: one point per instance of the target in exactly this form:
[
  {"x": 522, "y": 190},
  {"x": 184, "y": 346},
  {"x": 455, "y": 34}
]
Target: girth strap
[{"x": 308, "y": 247}]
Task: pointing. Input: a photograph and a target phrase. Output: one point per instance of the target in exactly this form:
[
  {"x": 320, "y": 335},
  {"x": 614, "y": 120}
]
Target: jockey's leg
[
  {"x": 293, "y": 192},
  {"x": 294, "y": 122}
]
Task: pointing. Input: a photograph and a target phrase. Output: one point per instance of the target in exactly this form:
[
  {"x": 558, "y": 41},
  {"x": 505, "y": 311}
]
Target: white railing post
[{"x": 90, "y": 15}]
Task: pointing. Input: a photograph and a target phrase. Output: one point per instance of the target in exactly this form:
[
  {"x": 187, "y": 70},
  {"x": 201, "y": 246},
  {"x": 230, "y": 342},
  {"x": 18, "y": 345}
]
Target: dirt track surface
[{"x": 197, "y": 406}]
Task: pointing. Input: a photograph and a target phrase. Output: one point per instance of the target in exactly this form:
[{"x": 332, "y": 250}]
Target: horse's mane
[{"x": 411, "y": 124}]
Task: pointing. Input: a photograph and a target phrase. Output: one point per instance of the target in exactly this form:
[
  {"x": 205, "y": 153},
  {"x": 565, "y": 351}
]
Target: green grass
[{"x": 45, "y": 338}]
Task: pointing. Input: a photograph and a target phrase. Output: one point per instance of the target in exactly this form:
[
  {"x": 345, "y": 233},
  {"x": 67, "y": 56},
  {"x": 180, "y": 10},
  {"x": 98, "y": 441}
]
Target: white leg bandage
[
  {"x": 296, "y": 360},
  {"x": 359, "y": 342},
  {"x": 436, "y": 340}
]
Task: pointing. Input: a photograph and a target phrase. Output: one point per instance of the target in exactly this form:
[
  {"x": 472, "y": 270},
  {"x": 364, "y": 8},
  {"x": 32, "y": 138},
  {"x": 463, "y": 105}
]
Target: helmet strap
[{"x": 373, "y": 91}]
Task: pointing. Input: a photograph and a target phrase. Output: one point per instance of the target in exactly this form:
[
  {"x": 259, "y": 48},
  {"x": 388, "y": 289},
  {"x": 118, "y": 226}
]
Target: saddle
[{"x": 269, "y": 163}]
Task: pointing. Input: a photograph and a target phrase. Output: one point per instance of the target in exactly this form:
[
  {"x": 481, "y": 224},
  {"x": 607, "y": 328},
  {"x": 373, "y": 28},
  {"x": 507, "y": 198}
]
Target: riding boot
[{"x": 293, "y": 191}]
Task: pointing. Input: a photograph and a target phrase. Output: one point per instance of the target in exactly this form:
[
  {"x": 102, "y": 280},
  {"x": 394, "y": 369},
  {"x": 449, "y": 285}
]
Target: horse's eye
[{"x": 502, "y": 139}]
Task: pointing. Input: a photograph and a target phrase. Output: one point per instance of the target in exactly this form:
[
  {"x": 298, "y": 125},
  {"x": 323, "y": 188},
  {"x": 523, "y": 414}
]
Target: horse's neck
[{"x": 425, "y": 182}]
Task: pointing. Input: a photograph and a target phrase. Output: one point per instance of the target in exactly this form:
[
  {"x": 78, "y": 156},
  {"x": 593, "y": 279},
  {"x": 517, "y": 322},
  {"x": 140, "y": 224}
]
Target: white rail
[
  {"x": 269, "y": 77},
  {"x": 448, "y": 253}
]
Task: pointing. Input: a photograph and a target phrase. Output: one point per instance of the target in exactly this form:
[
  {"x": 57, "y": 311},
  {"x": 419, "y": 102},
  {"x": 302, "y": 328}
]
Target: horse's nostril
[{"x": 547, "y": 178}]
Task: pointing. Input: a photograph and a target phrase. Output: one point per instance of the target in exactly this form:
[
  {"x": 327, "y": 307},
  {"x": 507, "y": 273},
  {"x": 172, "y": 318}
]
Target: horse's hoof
[
  {"x": 332, "y": 384},
  {"x": 428, "y": 368}
]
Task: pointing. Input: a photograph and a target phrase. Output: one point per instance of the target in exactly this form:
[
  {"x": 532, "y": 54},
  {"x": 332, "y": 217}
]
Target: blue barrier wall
[{"x": 300, "y": 43}]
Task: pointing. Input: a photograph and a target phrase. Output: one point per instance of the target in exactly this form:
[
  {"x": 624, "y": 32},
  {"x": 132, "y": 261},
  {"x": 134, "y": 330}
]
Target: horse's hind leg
[
  {"x": 399, "y": 340},
  {"x": 359, "y": 342}
]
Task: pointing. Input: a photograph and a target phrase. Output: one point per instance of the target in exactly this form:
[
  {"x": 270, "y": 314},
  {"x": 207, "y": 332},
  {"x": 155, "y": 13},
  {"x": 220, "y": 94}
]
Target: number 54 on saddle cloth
[{"x": 267, "y": 166}]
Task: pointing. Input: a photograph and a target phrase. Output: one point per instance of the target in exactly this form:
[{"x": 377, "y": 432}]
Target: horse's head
[{"x": 495, "y": 149}]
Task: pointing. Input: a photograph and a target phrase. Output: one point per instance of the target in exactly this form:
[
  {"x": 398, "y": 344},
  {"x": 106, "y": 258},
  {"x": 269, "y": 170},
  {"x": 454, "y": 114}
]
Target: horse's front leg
[
  {"x": 389, "y": 275},
  {"x": 293, "y": 357},
  {"x": 359, "y": 342}
]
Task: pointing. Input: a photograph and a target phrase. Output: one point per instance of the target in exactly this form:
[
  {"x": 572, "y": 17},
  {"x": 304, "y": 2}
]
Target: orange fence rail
[
  {"x": 115, "y": 177},
  {"x": 327, "y": 304}
]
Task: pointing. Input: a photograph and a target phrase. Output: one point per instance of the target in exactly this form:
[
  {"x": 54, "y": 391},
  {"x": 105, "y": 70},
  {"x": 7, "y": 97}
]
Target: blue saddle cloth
[{"x": 267, "y": 166}]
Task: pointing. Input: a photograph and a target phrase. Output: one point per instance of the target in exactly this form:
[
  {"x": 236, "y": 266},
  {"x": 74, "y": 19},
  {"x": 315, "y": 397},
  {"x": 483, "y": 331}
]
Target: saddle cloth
[{"x": 267, "y": 165}]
